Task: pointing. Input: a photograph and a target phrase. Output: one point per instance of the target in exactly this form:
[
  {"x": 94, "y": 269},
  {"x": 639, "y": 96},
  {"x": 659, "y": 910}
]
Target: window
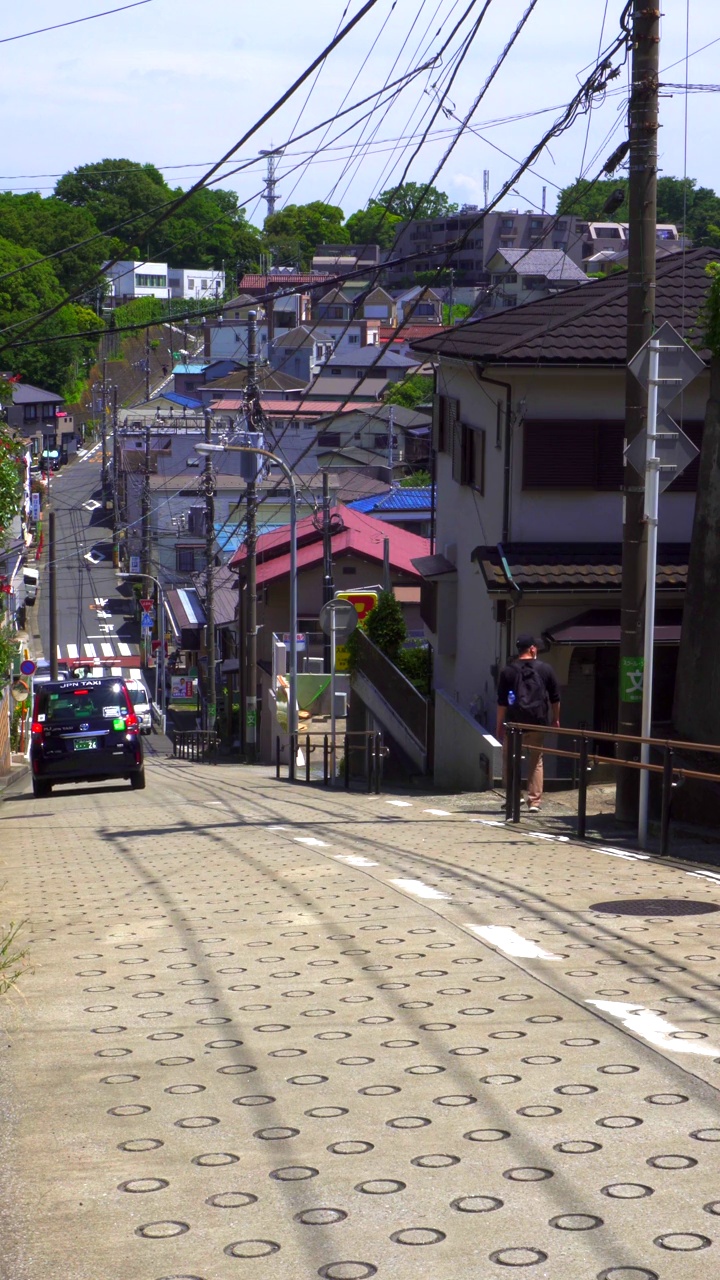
[
  {"x": 468, "y": 456},
  {"x": 536, "y": 224},
  {"x": 191, "y": 284},
  {"x": 152, "y": 282},
  {"x": 425, "y": 309},
  {"x": 349, "y": 569},
  {"x": 445, "y": 412},
  {"x": 337, "y": 370},
  {"x": 185, "y": 559},
  {"x": 562, "y": 225},
  {"x": 353, "y": 337},
  {"x": 534, "y": 282},
  {"x": 203, "y": 284},
  {"x": 507, "y": 224},
  {"x": 48, "y": 411},
  {"x": 30, "y": 413},
  {"x": 572, "y": 454}
]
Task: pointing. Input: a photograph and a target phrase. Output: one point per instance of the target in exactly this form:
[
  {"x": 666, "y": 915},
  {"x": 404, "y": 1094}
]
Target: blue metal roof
[
  {"x": 231, "y": 539},
  {"x": 186, "y": 402},
  {"x": 189, "y": 368},
  {"x": 398, "y": 499}
]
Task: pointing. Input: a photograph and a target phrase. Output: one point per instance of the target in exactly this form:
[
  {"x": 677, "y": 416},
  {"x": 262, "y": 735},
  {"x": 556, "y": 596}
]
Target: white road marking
[
  {"x": 623, "y": 853},
  {"x": 124, "y": 648},
  {"x": 652, "y": 1027},
  {"x": 277, "y": 828},
  {"x": 488, "y": 822},
  {"x": 354, "y": 859},
  {"x": 101, "y": 600},
  {"x": 216, "y": 803},
  {"x": 108, "y": 651},
  {"x": 73, "y": 652},
  {"x": 311, "y": 840},
  {"x": 438, "y": 813},
  {"x": 541, "y": 835},
  {"x": 705, "y": 875},
  {"x": 512, "y": 943},
  {"x": 89, "y": 651},
  {"x": 419, "y": 889},
  {"x": 401, "y": 804}
]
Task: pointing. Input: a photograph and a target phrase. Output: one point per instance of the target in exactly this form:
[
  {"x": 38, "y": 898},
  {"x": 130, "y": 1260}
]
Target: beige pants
[{"x": 532, "y": 748}]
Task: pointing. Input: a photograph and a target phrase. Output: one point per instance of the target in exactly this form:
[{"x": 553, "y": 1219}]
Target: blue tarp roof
[{"x": 399, "y": 499}]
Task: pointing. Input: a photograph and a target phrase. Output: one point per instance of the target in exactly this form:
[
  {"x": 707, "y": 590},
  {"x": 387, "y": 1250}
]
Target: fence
[
  {"x": 400, "y": 694},
  {"x": 365, "y": 748},
  {"x": 199, "y": 745},
  {"x": 669, "y": 770}
]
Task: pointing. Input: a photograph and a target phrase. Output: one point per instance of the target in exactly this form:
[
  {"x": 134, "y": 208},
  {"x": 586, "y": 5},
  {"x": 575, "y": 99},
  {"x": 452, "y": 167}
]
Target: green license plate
[{"x": 85, "y": 744}]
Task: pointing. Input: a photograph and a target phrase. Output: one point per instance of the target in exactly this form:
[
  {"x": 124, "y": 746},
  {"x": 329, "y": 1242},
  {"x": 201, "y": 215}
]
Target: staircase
[{"x": 393, "y": 703}]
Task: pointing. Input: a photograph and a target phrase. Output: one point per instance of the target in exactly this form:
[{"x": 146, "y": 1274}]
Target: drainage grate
[{"x": 655, "y": 907}]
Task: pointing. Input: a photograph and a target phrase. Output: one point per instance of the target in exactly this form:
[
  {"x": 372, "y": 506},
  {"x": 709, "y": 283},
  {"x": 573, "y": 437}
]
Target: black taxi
[{"x": 84, "y": 731}]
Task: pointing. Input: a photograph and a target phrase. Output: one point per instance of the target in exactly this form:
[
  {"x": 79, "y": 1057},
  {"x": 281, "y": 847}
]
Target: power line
[{"x": 74, "y": 21}]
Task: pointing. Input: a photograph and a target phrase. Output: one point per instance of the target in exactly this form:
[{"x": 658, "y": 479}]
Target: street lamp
[
  {"x": 292, "y": 672},
  {"x": 159, "y": 679}
]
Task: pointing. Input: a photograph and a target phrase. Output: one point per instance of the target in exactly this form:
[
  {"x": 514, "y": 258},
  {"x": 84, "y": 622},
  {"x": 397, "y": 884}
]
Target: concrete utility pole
[
  {"x": 328, "y": 584},
  {"x": 104, "y": 471},
  {"x": 147, "y": 364},
  {"x": 642, "y": 198},
  {"x": 52, "y": 597},
  {"x": 116, "y": 480},
  {"x": 209, "y": 489},
  {"x": 146, "y": 547},
  {"x": 251, "y": 559}
]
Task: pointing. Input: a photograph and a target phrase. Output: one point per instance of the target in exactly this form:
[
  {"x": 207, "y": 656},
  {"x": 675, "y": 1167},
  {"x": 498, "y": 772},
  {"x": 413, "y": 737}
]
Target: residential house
[
  {"x": 367, "y": 427},
  {"x": 130, "y": 280},
  {"x": 525, "y": 275},
  {"x": 406, "y": 508},
  {"x": 365, "y": 374},
  {"x": 421, "y": 304},
  {"x": 39, "y": 416},
  {"x": 301, "y": 352},
  {"x": 196, "y": 282},
  {"x": 529, "y": 430},
  {"x": 334, "y": 259}
]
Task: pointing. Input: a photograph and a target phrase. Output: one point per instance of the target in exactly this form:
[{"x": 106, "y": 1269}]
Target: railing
[
  {"x": 400, "y": 694},
  {"x": 199, "y": 745},
  {"x": 586, "y": 756},
  {"x": 364, "y": 747}
]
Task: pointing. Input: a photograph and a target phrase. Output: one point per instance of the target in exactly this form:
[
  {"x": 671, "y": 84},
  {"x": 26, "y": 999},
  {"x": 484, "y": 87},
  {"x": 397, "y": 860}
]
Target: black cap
[{"x": 524, "y": 642}]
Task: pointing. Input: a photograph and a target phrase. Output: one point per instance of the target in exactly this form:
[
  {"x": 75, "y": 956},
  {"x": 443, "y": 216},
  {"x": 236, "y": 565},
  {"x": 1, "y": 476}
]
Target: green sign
[{"x": 631, "y": 679}]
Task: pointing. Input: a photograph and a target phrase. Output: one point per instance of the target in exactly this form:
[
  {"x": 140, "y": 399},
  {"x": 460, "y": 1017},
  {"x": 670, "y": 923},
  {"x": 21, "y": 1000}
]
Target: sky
[{"x": 177, "y": 84}]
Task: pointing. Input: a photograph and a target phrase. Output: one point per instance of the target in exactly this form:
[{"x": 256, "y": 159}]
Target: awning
[
  {"x": 602, "y": 627},
  {"x": 436, "y": 566}
]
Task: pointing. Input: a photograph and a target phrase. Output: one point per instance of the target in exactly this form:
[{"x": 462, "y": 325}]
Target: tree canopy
[
  {"x": 373, "y": 225},
  {"x": 586, "y": 200},
  {"x": 293, "y": 233},
  {"x": 411, "y": 200}
]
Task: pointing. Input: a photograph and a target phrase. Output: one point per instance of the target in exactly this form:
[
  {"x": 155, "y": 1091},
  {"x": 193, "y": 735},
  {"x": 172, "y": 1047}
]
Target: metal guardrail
[
  {"x": 586, "y": 756},
  {"x": 400, "y": 694},
  {"x": 199, "y": 745},
  {"x": 368, "y": 746}
]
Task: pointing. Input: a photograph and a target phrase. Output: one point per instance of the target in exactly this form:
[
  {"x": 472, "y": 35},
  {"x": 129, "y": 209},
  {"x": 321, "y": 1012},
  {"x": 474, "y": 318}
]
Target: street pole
[
  {"x": 391, "y": 444},
  {"x": 116, "y": 480},
  {"x": 209, "y": 487},
  {"x": 103, "y": 474},
  {"x": 146, "y": 563},
  {"x": 328, "y": 584},
  {"x": 333, "y": 686},
  {"x": 652, "y": 498},
  {"x": 642, "y": 198},
  {"x": 147, "y": 364},
  {"x": 251, "y": 559},
  {"x": 52, "y": 597}
]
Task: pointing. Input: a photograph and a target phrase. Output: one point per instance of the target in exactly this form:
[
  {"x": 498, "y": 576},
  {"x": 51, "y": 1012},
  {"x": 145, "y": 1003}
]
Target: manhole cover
[{"x": 655, "y": 907}]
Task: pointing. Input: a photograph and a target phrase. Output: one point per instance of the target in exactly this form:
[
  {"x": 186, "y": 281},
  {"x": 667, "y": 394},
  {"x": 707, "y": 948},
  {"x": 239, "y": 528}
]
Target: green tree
[
  {"x": 411, "y": 200},
  {"x": 458, "y": 311},
  {"x": 49, "y": 226},
  {"x": 293, "y": 233},
  {"x": 10, "y": 486},
  {"x": 385, "y": 625},
  {"x": 114, "y": 192},
  {"x": 674, "y": 197},
  {"x": 373, "y": 225},
  {"x": 416, "y": 389},
  {"x": 417, "y": 480}
]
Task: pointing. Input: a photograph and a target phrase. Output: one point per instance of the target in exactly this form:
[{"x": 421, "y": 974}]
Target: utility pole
[
  {"x": 391, "y": 444},
  {"x": 251, "y": 558},
  {"x": 209, "y": 489},
  {"x": 147, "y": 364},
  {"x": 52, "y": 597},
  {"x": 642, "y": 198},
  {"x": 116, "y": 480},
  {"x": 328, "y": 584},
  {"x": 146, "y": 550},
  {"x": 104, "y": 472}
]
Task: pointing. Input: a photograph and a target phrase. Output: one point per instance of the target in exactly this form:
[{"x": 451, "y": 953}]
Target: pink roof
[
  {"x": 284, "y": 408},
  {"x": 362, "y": 535},
  {"x": 251, "y": 281}
]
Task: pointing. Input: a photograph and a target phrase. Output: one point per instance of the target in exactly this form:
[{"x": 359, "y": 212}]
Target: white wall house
[
  {"x": 130, "y": 280},
  {"x": 529, "y": 434},
  {"x": 196, "y": 282}
]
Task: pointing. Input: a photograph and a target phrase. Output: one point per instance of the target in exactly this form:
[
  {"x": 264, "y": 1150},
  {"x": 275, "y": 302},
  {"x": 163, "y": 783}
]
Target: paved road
[
  {"x": 276, "y": 1033},
  {"x": 93, "y": 619}
]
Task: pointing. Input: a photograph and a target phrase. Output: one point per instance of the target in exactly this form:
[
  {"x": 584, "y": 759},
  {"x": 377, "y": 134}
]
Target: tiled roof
[
  {"x": 358, "y": 534},
  {"x": 366, "y": 388},
  {"x": 565, "y": 566},
  {"x": 584, "y": 325},
  {"x": 26, "y": 393},
  {"x": 554, "y": 264},
  {"x": 399, "y": 499},
  {"x": 369, "y": 354},
  {"x": 275, "y": 406},
  {"x": 249, "y": 282},
  {"x": 409, "y": 332}
]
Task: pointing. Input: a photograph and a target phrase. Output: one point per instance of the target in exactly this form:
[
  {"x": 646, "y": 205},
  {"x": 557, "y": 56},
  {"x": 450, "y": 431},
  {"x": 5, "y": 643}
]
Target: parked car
[
  {"x": 84, "y": 731},
  {"x": 31, "y": 579},
  {"x": 140, "y": 699}
]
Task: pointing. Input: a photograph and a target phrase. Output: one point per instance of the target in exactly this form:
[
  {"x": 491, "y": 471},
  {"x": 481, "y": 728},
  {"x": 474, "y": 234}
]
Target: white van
[
  {"x": 31, "y": 579},
  {"x": 140, "y": 699}
]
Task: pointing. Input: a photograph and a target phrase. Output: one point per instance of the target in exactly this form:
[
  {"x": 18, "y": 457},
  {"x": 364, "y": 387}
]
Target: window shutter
[
  {"x": 572, "y": 454},
  {"x": 610, "y": 441},
  {"x": 459, "y": 451},
  {"x": 437, "y": 441}
]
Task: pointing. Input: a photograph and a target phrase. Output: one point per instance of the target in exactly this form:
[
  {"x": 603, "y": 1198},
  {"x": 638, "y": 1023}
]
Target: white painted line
[
  {"x": 401, "y": 804},
  {"x": 419, "y": 889},
  {"x": 108, "y": 651},
  {"x": 541, "y": 835},
  {"x": 512, "y": 943},
  {"x": 72, "y": 650},
  {"x": 89, "y": 651},
  {"x": 101, "y": 600},
  {"x": 217, "y": 803},
  {"x": 652, "y": 1027},
  {"x": 311, "y": 840},
  {"x": 354, "y": 860},
  {"x": 623, "y": 853},
  {"x": 277, "y": 828},
  {"x": 439, "y": 813},
  {"x": 488, "y": 822},
  {"x": 125, "y": 651},
  {"x": 705, "y": 875}
]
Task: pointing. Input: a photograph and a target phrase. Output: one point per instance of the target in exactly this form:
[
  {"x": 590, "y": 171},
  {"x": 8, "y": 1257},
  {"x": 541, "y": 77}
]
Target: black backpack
[{"x": 531, "y": 703}]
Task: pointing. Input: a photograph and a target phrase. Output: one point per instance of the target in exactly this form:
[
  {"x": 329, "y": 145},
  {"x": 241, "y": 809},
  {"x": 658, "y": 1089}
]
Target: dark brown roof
[
  {"x": 583, "y": 325},
  {"x": 565, "y": 566}
]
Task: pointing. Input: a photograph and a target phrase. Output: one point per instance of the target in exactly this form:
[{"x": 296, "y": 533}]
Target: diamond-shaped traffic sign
[
  {"x": 674, "y": 449},
  {"x": 679, "y": 364}
]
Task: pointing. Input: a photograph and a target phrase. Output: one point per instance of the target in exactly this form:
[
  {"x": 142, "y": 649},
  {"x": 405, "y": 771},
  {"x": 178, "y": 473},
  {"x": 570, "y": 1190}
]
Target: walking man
[{"x": 528, "y": 693}]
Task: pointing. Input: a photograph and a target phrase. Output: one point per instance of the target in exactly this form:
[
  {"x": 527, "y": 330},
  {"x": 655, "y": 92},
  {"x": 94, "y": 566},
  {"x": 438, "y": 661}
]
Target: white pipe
[{"x": 652, "y": 497}]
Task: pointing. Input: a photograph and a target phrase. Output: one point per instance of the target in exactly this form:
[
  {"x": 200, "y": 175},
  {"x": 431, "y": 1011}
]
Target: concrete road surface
[{"x": 277, "y": 1034}]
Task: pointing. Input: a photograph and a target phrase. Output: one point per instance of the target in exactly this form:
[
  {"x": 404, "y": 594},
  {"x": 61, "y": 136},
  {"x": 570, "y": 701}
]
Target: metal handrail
[
  {"x": 671, "y": 772},
  {"x": 199, "y": 745},
  {"x": 369, "y": 742}
]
